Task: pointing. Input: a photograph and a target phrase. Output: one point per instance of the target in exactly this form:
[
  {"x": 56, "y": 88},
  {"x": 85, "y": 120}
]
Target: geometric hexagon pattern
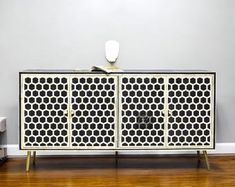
[
  {"x": 93, "y": 103},
  {"x": 142, "y": 104},
  {"x": 190, "y": 106},
  {"x": 89, "y": 111},
  {"x": 44, "y": 102}
]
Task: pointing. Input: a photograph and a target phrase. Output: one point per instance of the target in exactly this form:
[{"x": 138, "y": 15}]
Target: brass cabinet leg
[
  {"x": 28, "y": 160},
  {"x": 206, "y": 158},
  {"x": 34, "y": 157}
]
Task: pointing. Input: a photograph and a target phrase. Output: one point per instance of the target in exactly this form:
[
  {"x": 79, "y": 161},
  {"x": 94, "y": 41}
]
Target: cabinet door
[
  {"x": 93, "y": 101},
  {"x": 191, "y": 111},
  {"x": 44, "y": 102},
  {"x": 141, "y": 120}
]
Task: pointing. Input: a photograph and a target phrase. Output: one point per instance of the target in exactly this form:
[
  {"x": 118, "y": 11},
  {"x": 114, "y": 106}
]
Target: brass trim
[
  {"x": 28, "y": 160},
  {"x": 206, "y": 159}
]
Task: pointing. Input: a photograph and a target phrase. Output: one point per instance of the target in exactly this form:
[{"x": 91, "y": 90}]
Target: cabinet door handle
[
  {"x": 164, "y": 112},
  {"x": 66, "y": 112},
  {"x": 169, "y": 113},
  {"x": 72, "y": 113}
]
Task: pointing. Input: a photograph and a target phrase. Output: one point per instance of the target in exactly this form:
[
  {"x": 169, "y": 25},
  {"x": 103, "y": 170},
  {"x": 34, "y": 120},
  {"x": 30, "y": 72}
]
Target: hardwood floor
[{"x": 103, "y": 171}]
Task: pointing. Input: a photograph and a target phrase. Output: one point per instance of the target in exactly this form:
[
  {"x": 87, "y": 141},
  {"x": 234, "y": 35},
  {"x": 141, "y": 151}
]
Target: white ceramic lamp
[{"x": 111, "y": 51}]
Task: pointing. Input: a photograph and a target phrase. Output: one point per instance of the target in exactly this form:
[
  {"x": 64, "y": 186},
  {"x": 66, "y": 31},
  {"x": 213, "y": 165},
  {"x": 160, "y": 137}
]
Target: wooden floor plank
[{"x": 103, "y": 171}]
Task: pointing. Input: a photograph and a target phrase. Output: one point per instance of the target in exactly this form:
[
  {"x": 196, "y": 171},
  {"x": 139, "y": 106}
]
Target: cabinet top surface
[{"x": 86, "y": 71}]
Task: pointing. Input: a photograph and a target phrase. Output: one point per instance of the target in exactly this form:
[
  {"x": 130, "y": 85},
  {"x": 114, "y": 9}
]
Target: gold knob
[
  {"x": 72, "y": 112},
  {"x": 66, "y": 112},
  {"x": 169, "y": 113}
]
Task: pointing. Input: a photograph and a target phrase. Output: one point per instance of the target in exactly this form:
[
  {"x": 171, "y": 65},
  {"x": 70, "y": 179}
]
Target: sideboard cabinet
[{"x": 129, "y": 110}]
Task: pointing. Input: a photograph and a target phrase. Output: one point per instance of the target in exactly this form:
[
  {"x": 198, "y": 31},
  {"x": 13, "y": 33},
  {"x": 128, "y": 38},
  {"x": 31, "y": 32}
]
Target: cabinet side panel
[{"x": 20, "y": 110}]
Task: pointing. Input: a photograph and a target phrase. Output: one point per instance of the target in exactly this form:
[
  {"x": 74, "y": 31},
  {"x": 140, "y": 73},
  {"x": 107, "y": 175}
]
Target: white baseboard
[{"x": 13, "y": 151}]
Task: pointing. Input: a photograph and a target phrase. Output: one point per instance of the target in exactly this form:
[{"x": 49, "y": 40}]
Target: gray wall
[{"x": 174, "y": 34}]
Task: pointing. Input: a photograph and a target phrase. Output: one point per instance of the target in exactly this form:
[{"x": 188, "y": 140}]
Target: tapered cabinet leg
[
  {"x": 116, "y": 158},
  {"x": 34, "y": 157},
  {"x": 198, "y": 156},
  {"x": 198, "y": 159},
  {"x": 28, "y": 160},
  {"x": 206, "y": 159}
]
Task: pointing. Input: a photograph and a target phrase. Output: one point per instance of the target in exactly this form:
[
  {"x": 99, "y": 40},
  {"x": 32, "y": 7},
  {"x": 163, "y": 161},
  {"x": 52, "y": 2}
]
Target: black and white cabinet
[{"x": 128, "y": 110}]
